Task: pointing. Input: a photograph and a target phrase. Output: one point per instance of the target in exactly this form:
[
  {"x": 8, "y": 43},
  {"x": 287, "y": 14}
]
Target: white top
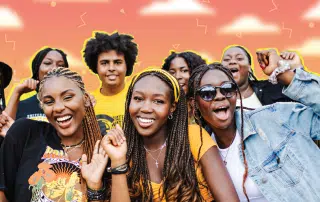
[
  {"x": 250, "y": 102},
  {"x": 236, "y": 171}
]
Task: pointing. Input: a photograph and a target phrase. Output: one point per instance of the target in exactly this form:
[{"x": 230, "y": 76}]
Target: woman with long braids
[
  {"x": 268, "y": 152},
  {"x": 54, "y": 161},
  {"x": 168, "y": 160}
]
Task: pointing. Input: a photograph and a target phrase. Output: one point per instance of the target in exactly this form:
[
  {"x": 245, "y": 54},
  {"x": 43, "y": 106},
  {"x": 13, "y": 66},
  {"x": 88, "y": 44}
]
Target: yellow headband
[{"x": 174, "y": 82}]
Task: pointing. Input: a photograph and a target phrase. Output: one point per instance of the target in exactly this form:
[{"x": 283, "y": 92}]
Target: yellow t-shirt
[
  {"x": 195, "y": 143},
  {"x": 109, "y": 110}
]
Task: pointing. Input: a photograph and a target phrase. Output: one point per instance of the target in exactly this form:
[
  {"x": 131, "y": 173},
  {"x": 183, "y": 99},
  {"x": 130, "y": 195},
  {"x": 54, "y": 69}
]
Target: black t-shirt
[
  {"x": 30, "y": 108},
  {"x": 34, "y": 167}
]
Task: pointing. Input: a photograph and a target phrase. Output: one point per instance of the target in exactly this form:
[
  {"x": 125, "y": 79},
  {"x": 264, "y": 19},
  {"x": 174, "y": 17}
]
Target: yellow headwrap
[{"x": 175, "y": 84}]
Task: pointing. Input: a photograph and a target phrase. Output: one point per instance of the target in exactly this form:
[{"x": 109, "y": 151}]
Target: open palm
[{"x": 93, "y": 172}]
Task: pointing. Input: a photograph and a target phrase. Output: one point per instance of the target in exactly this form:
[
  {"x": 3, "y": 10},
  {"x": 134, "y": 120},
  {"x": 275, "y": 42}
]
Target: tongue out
[{"x": 222, "y": 114}]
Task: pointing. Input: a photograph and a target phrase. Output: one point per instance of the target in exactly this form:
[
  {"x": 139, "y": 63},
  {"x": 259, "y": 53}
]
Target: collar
[{"x": 248, "y": 128}]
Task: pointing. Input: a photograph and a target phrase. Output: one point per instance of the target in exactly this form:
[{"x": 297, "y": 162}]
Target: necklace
[
  {"x": 161, "y": 148},
  {"x": 67, "y": 149},
  {"x": 224, "y": 158}
]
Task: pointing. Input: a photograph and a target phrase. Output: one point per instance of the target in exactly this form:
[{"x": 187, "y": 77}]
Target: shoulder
[
  {"x": 31, "y": 100},
  {"x": 23, "y": 126},
  {"x": 200, "y": 140}
]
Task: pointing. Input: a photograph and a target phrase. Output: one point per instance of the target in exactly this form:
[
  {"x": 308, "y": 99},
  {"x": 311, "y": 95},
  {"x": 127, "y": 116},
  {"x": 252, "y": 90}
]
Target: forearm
[
  {"x": 13, "y": 103},
  {"x": 119, "y": 187},
  {"x": 305, "y": 88},
  {"x": 3, "y": 197}
]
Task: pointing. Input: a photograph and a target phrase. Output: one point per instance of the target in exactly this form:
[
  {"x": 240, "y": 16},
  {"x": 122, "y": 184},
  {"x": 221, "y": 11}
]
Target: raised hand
[
  {"x": 5, "y": 123},
  {"x": 268, "y": 60},
  {"x": 115, "y": 145},
  {"x": 93, "y": 172},
  {"x": 27, "y": 86},
  {"x": 292, "y": 58}
]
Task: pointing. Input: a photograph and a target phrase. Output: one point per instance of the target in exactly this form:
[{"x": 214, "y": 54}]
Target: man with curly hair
[{"x": 111, "y": 57}]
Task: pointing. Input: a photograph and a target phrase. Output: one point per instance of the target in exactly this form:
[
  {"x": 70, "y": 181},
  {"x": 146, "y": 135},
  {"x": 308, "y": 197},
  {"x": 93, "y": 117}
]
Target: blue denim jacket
[{"x": 282, "y": 158}]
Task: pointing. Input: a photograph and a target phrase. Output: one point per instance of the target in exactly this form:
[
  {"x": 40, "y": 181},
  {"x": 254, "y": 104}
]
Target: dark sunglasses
[{"x": 209, "y": 92}]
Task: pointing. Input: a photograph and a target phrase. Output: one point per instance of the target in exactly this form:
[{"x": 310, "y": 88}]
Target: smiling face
[
  {"x": 180, "y": 70},
  {"x": 52, "y": 60},
  {"x": 218, "y": 113},
  {"x": 64, "y": 105},
  {"x": 111, "y": 68},
  {"x": 150, "y": 105},
  {"x": 237, "y": 61}
]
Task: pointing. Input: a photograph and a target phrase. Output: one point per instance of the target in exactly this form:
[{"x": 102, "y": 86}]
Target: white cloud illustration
[
  {"x": 9, "y": 19},
  {"x": 313, "y": 13},
  {"x": 249, "y": 24},
  {"x": 176, "y": 7},
  {"x": 310, "y": 47}
]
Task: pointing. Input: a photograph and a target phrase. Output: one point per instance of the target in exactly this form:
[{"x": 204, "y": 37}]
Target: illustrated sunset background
[{"x": 158, "y": 26}]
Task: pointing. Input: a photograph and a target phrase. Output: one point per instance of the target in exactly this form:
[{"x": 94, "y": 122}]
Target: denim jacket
[{"x": 282, "y": 158}]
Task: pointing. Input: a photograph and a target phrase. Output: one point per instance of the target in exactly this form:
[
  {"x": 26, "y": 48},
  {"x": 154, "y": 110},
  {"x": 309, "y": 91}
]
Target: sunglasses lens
[
  {"x": 228, "y": 89},
  {"x": 207, "y": 93}
]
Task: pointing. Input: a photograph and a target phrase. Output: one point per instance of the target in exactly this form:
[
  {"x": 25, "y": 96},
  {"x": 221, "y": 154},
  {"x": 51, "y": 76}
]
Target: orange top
[{"x": 195, "y": 143}]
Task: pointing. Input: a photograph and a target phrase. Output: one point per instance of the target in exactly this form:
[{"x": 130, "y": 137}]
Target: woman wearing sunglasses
[{"x": 268, "y": 152}]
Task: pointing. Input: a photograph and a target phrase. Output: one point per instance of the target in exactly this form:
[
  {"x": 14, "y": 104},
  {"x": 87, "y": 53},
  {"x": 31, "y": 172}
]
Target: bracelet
[
  {"x": 96, "y": 195},
  {"x": 118, "y": 170},
  {"x": 284, "y": 66}
]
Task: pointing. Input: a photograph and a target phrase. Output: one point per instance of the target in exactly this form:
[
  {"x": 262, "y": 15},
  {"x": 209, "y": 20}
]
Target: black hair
[
  {"x": 194, "y": 84},
  {"x": 103, "y": 42},
  {"x": 192, "y": 59},
  {"x": 251, "y": 77},
  {"x": 37, "y": 60}
]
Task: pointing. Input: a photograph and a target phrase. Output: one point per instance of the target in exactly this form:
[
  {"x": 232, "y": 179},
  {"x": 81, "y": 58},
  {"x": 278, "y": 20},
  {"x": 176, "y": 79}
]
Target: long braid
[
  {"x": 180, "y": 181},
  {"x": 194, "y": 84},
  {"x": 90, "y": 124}
]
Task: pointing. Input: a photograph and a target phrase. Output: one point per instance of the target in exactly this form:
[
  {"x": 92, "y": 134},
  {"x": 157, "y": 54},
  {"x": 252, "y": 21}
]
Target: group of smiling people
[{"x": 189, "y": 131}]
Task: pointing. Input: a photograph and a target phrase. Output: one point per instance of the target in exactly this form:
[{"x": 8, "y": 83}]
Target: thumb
[{"x": 84, "y": 160}]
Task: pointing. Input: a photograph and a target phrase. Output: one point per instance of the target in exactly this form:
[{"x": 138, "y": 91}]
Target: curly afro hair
[
  {"x": 103, "y": 42},
  {"x": 192, "y": 59}
]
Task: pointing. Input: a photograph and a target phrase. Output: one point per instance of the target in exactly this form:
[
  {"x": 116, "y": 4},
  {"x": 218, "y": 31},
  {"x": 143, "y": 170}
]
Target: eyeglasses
[{"x": 209, "y": 92}]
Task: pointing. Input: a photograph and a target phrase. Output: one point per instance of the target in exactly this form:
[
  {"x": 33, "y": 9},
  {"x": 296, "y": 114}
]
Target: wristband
[
  {"x": 96, "y": 195},
  {"x": 118, "y": 170},
  {"x": 284, "y": 66}
]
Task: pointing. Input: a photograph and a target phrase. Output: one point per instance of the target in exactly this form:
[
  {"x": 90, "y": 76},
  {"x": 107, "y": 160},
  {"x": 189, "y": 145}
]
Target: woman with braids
[
  {"x": 54, "y": 161},
  {"x": 181, "y": 65},
  {"x": 255, "y": 93},
  {"x": 168, "y": 160},
  {"x": 268, "y": 152}
]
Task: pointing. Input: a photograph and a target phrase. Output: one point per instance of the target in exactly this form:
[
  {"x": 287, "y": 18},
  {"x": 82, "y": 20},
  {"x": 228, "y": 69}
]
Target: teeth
[
  {"x": 222, "y": 108},
  {"x": 60, "y": 119},
  {"x": 144, "y": 120}
]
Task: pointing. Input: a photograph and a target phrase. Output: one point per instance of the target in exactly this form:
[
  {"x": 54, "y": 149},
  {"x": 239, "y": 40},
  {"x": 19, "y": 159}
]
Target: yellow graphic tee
[
  {"x": 110, "y": 109},
  {"x": 57, "y": 179}
]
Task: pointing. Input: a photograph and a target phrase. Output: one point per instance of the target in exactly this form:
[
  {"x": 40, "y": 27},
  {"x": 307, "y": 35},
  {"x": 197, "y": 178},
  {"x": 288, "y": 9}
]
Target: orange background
[{"x": 59, "y": 25}]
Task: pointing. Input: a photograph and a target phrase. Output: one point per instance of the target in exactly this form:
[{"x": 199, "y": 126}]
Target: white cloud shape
[
  {"x": 72, "y": 1},
  {"x": 176, "y": 7},
  {"x": 9, "y": 19},
  {"x": 249, "y": 24},
  {"x": 313, "y": 13},
  {"x": 310, "y": 47}
]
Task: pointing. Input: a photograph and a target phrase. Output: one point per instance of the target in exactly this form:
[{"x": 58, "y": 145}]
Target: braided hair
[
  {"x": 194, "y": 84},
  {"x": 192, "y": 59},
  {"x": 180, "y": 181},
  {"x": 90, "y": 124}
]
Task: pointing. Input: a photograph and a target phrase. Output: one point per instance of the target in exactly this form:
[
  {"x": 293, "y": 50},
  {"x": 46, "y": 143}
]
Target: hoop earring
[{"x": 170, "y": 116}]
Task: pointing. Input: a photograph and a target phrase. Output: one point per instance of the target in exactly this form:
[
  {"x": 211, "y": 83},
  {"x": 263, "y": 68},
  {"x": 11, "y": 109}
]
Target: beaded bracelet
[
  {"x": 284, "y": 66},
  {"x": 95, "y": 195}
]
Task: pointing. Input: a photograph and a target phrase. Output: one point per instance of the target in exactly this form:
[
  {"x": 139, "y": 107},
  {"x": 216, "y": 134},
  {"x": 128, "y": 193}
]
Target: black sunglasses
[{"x": 209, "y": 92}]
